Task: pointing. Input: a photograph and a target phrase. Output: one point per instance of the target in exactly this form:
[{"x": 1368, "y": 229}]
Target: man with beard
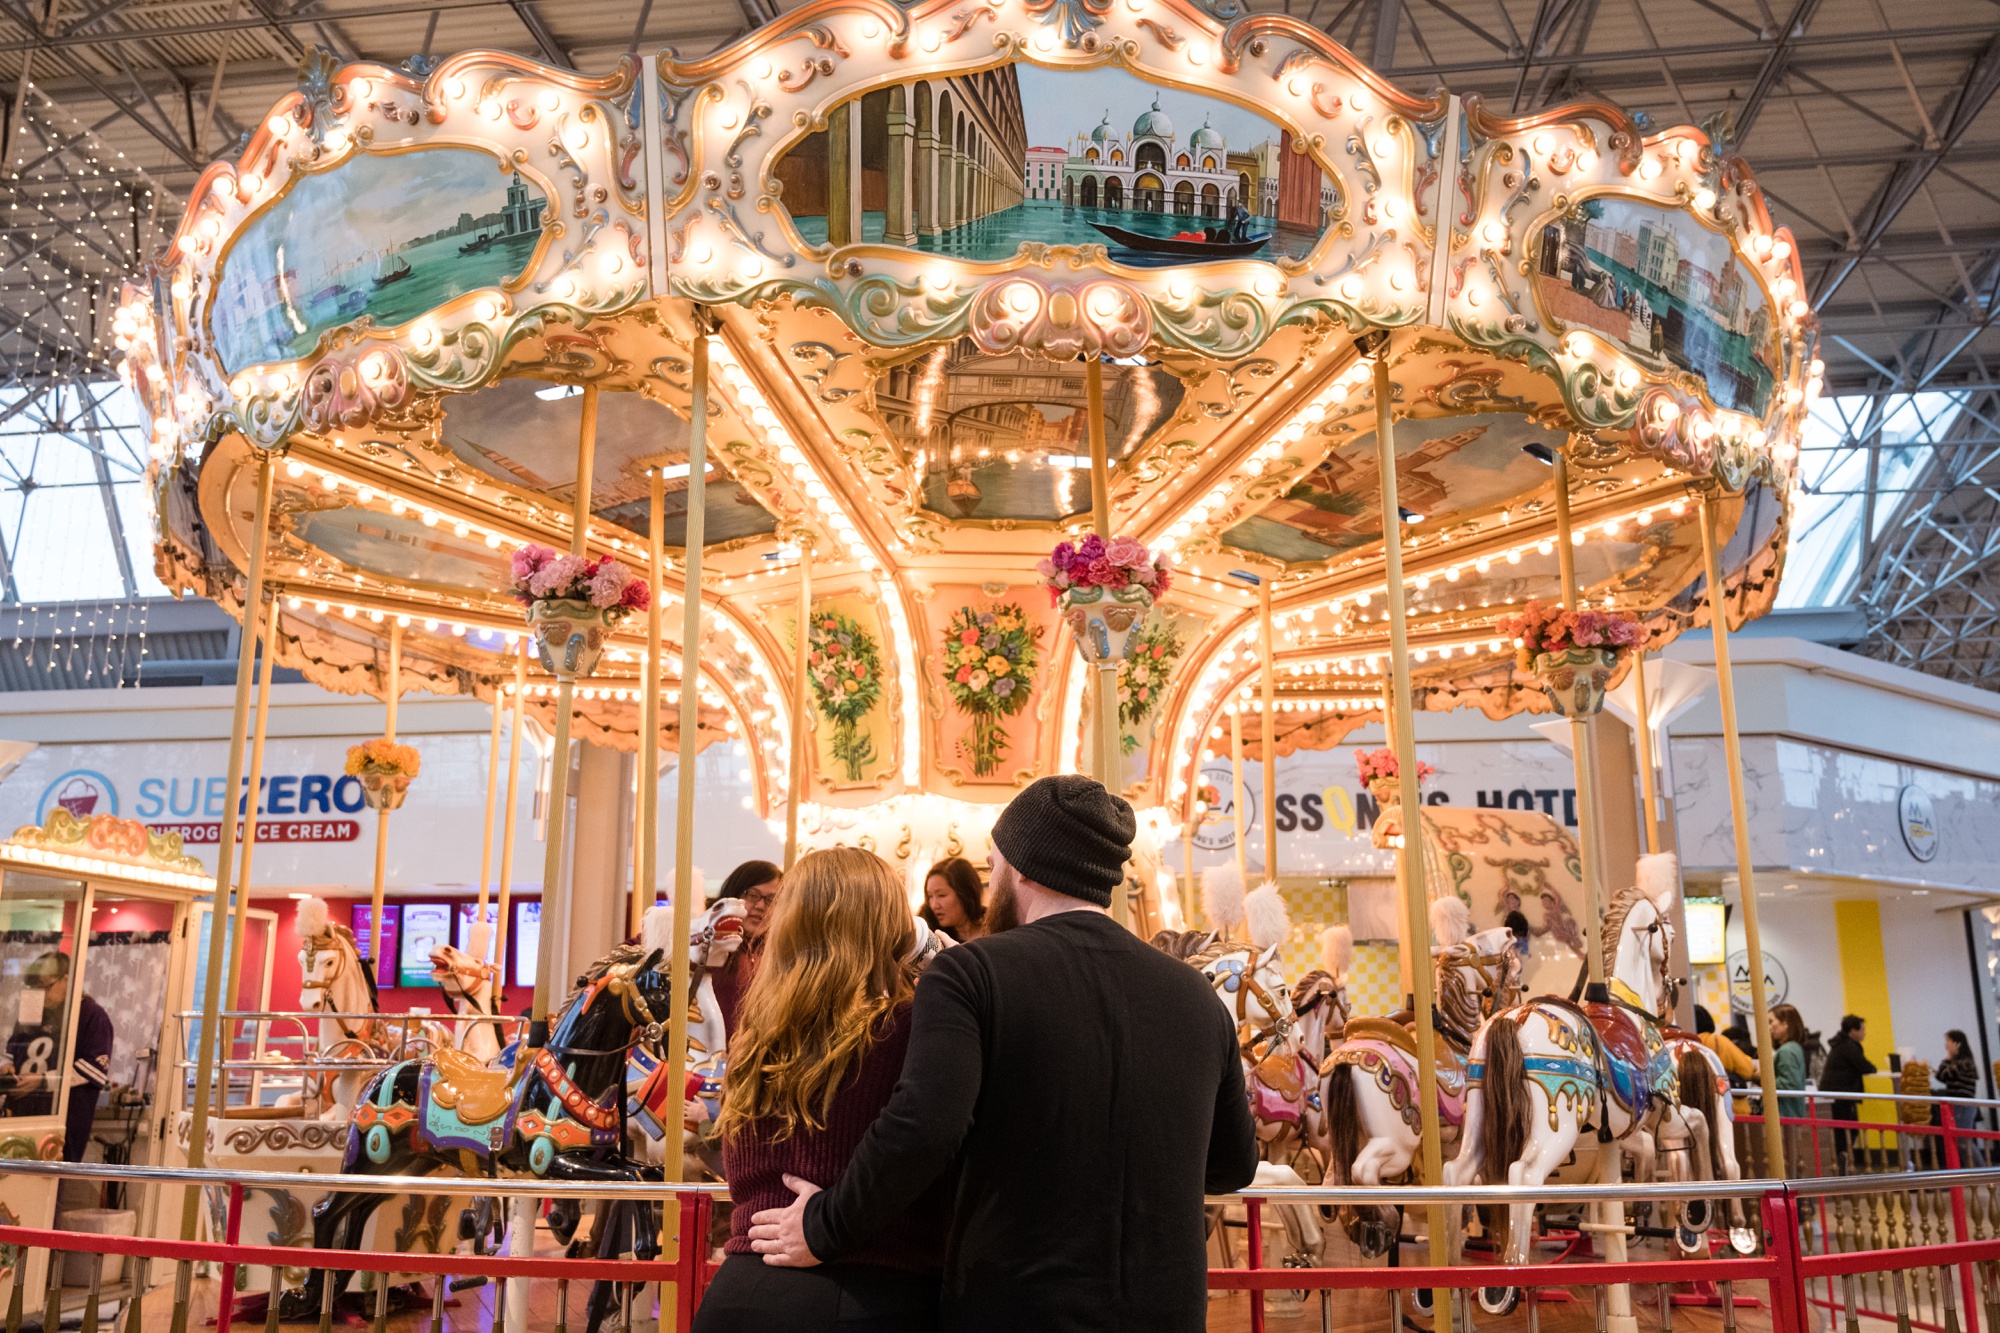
[{"x": 1086, "y": 1087}]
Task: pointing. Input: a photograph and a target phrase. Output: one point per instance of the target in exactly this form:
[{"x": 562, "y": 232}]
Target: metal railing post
[
  {"x": 232, "y": 1234},
  {"x": 1253, "y": 1215},
  {"x": 1788, "y": 1295},
  {"x": 1961, "y": 1225}
]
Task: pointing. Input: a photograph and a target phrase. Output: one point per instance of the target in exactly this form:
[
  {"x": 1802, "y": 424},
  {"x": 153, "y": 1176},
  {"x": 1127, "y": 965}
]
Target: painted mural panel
[
  {"x": 854, "y": 735},
  {"x": 1005, "y": 437},
  {"x": 1445, "y": 463},
  {"x": 1664, "y": 287},
  {"x": 988, "y": 662},
  {"x": 524, "y": 432},
  {"x": 1144, "y": 678},
  {"x": 388, "y": 236},
  {"x": 978, "y": 165}
]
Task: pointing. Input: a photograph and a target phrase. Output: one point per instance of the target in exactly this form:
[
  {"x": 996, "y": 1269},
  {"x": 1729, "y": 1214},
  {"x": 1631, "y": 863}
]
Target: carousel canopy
[{"x": 903, "y": 234}]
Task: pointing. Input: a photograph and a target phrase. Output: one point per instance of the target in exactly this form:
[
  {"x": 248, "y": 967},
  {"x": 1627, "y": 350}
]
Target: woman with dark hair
[
  {"x": 1958, "y": 1076},
  {"x": 952, "y": 900},
  {"x": 756, "y": 884},
  {"x": 1788, "y": 1043},
  {"x": 819, "y": 1048}
]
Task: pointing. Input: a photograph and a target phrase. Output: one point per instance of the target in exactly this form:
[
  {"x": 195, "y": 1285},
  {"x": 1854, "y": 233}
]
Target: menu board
[
  {"x": 363, "y": 926},
  {"x": 526, "y": 941},
  {"x": 462, "y": 933},
  {"x": 425, "y": 927}
]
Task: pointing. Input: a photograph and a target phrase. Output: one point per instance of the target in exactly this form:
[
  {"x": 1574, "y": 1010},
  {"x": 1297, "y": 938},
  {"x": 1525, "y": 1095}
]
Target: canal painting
[
  {"x": 979, "y": 165},
  {"x": 1003, "y": 436},
  {"x": 386, "y": 236},
  {"x": 1665, "y": 288}
]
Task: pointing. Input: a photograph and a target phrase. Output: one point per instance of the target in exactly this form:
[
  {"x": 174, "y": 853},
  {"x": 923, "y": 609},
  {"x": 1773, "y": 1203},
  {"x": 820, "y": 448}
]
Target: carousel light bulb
[
  {"x": 430, "y": 518},
  {"x": 320, "y": 607},
  {"x": 1045, "y": 41},
  {"x": 1545, "y": 546},
  {"x": 279, "y": 125},
  {"x": 348, "y": 612},
  {"x": 1627, "y": 377},
  {"x": 1577, "y": 344},
  {"x": 294, "y": 468},
  {"x": 454, "y": 88},
  {"x": 1781, "y": 249},
  {"x": 1197, "y": 53},
  {"x": 1020, "y": 298},
  {"x": 461, "y": 530},
  {"x": 1704, "y": 199},
  {"x": 364, "y": 494},
  {"x": 1650, "y": 169},
  {"x": 701, "y": 253},
  {"x": 398, "y": 507},
  {"x": 760, "y": 68},
  {"x": 932, "y": 41},
  {"x": 1350, "y": 289},
  {"x": 1678, "y": 508},
  {"x": 1514, "y": 556},
  {"x": 376, "y": 616},
  {"x": 487, "y": 309},
  {"x": 1384, "y": 145},
  {"x": 329, "y": 482},
  {"x": 1798, "y": 309},
  {"x": 1586, "y": 160}
]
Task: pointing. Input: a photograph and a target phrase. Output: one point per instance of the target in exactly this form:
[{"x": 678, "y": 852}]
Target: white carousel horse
[
  {"x": 1544, "y": 1072},
  {"x": 335, "y": 980},
  {"x": 1371, "y": 1130},
  {"x": 473, "y": 987}
]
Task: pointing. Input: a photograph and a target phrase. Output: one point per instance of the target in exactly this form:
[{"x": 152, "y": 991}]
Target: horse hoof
[
  {"x": 1423, "y": 1300},
  {"x": 1743, "y": 1240},
  {"x": 1690, "y": 1240},
  {"x": 1696, "y": 1214},
  {"x": 1499, "y": 1300}
]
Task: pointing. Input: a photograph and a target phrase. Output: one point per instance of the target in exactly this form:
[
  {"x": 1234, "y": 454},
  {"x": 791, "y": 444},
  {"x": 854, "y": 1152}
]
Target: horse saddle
[
  {"x": 1384, "y": 1029},
  {"x": 462, "y": 1084},
  {"x": 1634, "y": 1053}
]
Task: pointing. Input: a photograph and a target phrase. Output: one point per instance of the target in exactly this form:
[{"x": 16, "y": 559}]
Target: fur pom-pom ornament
[
  {"x": 656, "y": 930},
  {"x": 310, "y": 923},
  {"x": 1222, "y": 896},
  {"x": 1451, "y": 921},
  {"x": 1336, "y": 951},
  {"x": 1265, "y": 914},
  {"x": 1659, "y": 878}
]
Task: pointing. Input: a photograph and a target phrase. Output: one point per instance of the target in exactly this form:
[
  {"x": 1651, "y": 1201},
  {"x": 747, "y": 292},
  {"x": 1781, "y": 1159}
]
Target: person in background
[
  {"x": 1741, "y": 1068},
  {"x": 1082, "y": 1090},
  {"x": 33, "y": 1090},
  {"x": 819, "y": 1047},
  {"x": 952, "y": 900},
  {"x": 1846, "y": 1069},
  {"x": 1788, "y": 1044},
  {"x": 756, "y": 883},
  {"x": 1517, "y": 926},
  {"x": 1958, "y": 1076}
]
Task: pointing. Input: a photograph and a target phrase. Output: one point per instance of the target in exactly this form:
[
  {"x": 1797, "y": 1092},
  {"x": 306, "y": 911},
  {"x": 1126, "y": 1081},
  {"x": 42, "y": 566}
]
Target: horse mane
[
  {"x": 1311, "y": 990},
  {"x": 1615, "y": 915},
  {"x": 623, "y": 955},
  {"x": 1195, "y": 947}
]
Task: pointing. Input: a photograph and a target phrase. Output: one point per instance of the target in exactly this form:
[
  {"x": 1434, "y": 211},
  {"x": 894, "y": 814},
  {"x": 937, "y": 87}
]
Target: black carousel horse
[{"x": 561, "y": 1117}]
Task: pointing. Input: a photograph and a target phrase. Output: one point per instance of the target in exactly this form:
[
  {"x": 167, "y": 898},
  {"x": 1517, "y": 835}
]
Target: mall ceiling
[{"x": 1869, "y": 124}]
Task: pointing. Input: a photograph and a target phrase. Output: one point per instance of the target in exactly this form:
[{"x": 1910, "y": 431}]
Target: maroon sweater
[{"x": 755, "y": 1166}]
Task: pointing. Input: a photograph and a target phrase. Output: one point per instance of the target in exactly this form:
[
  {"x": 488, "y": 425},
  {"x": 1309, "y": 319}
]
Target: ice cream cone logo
[{"x": 79, "y": 796}]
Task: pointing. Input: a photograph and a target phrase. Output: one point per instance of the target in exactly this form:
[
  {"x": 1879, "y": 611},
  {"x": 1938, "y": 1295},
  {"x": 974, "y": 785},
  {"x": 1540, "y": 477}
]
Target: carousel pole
[
  {"x": 507, "y": 824},
  {"x": 1110, "y": 763},
  {"x": 492, "y": 802},
  {"x": 1642, "y": 726},
  {"x": 218, "y": 913},
  {"x": 390, "y": 697},
  {"x": 648, "y": 881},
  {"x": 795, "y": 775},
  {"x": 253, "y": 787},
  {"x": 1406, "y": 961},
  {"x": 684, "y": 778},
  {"x": 1739, "y": 814},
  {"x": 1417, "y": 918},
  {"x": 1268, "y": 734},
  {"x": 552, "y": 894},
  {"x": 1611, "y": 1218},
  {"x": 1236, "y": 783},
  {"x": 1589, "y": 843}
]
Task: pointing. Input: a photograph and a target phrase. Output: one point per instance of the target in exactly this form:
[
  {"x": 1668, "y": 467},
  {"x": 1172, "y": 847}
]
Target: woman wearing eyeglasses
[{"x": 756, "y": 883}]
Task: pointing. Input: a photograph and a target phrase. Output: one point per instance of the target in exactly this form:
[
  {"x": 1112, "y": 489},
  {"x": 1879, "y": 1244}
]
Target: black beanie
[{"x": 1068, "y": 834}]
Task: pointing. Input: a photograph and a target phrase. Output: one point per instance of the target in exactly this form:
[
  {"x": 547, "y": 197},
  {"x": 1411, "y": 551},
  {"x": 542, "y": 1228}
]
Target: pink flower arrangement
[
  {"x": 541, "y": 574},
  {"x": 1546, "y": 628},
  {"x": 1376, "y": 765},
  {"x": 1096, "y": 563}
]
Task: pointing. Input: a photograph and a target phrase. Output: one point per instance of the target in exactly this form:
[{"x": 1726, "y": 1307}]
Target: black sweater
[
  {"x": 1845, "y": 1066},
  {"x": 1089, "y": 1090}
]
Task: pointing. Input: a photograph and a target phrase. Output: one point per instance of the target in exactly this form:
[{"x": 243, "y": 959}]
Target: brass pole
[
  {"x": 252, "y": 798},
  {"x": 795, "y": 776},
  {"x": 513, "y": 805},
  {"x": 1108, "y": 761},
  {"x": 1417, "y": 922},
  {"x": 390, "y": 697},
  {"x": 218, "y": 914},
  {"x": 1406, "y": 959},
  {"x": 1100, "y": 470},
  {"x": 553, "y": 899},
  {"x": 1268, "y": 735},
  {"x": 1642, "y": 725},
  {"x": 1739, "y": 815},
  {"x": 684, "y": 776},
  {"x": 1236, "y": 780},
  {"x": 492, "y": 800},
  {"x": 648, "y": 881},
  {"x": 1589, "y": 843}
]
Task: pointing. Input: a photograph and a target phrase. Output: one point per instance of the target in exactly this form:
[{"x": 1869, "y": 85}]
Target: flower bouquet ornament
[
  {"x": 573, "y": 602},
  {"x": 1103, "y": 589},
  {"x": 1572, "y": 653},
  {"x": 989, "y": 669},
  {"x": 1381, "y": 775},
  {"x": 844, "y": 666},
  {"x": 385, "y": 769}
]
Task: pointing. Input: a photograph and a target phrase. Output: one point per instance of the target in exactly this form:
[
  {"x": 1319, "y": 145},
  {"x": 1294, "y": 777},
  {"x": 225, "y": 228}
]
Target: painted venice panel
[
  {"x": 979, "y": 165},
  {"x": 387, "y": 236},
  {"x": 1666, "y": 289}
]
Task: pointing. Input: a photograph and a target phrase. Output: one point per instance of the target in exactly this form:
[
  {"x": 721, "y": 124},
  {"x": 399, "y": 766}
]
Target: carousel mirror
[{"x": 38, "y": 920}]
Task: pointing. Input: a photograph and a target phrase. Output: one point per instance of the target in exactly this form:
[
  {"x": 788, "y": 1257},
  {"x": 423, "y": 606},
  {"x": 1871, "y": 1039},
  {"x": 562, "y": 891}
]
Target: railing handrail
[{"x": 1835, "y": 1094}]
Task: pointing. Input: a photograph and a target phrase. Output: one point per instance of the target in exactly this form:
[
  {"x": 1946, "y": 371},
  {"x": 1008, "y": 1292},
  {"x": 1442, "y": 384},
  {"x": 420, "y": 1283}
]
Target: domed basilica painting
[{"x": 977, "y": 165}]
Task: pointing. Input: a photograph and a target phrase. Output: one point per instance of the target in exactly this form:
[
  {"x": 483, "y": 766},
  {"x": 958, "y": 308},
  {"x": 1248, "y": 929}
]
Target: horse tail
[
  {"x": 1697, "y": 1080},
  {"x": 1504, "y": 1131},
  {"x": 1343, "y": 1123}
]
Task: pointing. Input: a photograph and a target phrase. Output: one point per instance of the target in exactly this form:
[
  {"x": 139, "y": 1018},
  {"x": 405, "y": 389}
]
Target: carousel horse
[
  {"x": 559, "y": 1115},
  {"x": 1544, "y": 1072},
  {"x": 472, "y": 986},
  {"x": 334, "y": 979},
  {"x": 1371, "y": 1128}
]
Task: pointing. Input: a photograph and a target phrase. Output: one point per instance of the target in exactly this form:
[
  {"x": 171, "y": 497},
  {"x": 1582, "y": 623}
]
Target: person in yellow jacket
[{"x": 1734, "y": 1061}]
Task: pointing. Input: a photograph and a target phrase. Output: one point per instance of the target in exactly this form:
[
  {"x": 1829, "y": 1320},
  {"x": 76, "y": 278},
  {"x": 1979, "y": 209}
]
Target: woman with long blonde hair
[{"x": 818, "y": 1047}]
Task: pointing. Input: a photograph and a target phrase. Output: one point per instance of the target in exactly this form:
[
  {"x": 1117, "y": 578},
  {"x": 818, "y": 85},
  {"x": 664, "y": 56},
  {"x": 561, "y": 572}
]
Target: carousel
[{"x": 859, "y": 400}]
